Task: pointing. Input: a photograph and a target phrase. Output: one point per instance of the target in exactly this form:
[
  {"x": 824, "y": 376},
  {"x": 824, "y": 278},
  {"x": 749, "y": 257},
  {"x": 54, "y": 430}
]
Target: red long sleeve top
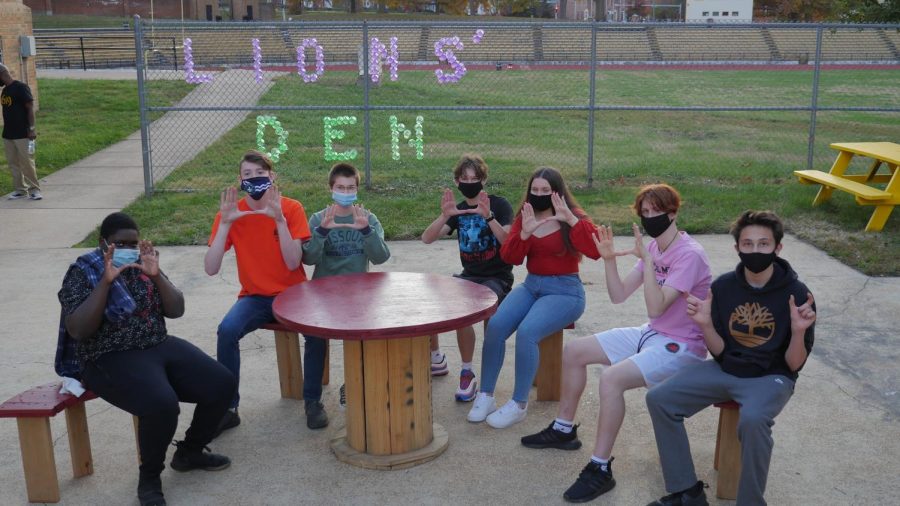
[{"x": 547, "y": 256}]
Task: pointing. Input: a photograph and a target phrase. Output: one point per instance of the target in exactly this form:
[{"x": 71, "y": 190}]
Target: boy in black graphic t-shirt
[
  {"x": 482, "y": 222},
  {"x": 758, "y": 323}
]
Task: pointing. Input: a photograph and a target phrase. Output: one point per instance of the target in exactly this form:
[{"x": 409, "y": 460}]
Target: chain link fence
[{"x": 602, "y": 100}]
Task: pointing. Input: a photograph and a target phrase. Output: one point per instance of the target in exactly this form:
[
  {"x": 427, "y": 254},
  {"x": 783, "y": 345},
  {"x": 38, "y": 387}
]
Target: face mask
[
  {"x": 343, "y": 199},
  {"x": 757, "y": 262},
  {"x": 124, "y": 256},
  {"x": 470, "y": 190},
  {"x": 656, "y": 225},
  {"x": 540, "y": 202},
  {"x": 256, "y": 186}
]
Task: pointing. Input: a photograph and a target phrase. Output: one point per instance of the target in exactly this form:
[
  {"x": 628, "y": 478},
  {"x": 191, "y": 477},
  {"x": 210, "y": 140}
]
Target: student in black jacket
[{"x": 758, "y": 324}]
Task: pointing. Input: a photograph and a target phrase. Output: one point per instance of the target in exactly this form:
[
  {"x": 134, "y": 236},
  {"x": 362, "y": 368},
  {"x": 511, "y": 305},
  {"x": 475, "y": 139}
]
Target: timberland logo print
[{"x": 751, "y": 325}]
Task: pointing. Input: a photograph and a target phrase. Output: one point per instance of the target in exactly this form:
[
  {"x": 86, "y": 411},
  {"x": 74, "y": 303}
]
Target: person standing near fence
[
  {"x": 266, "y": 231},
  {"x": 671, "y": 267},
  {"x": 19, "y": 132},
  {"x": 482, "y": 223}
]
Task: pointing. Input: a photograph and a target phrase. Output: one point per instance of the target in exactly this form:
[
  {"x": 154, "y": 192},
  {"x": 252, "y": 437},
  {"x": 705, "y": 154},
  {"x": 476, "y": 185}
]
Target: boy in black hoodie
[{"x": 758, "y": 325}]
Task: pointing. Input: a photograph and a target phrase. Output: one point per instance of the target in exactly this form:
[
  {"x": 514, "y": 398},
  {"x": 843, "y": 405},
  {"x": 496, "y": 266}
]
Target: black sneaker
[
  {"x": 229, "y": 420},
  {"x": 694, "y": 496},
  {"x": 552, "y": 438},
  {"x": 316, "y": 418},
  {"x": 149, "y": 491},
  {"x": 591, "y": 483},
  {"x": 188, "y": 458}
]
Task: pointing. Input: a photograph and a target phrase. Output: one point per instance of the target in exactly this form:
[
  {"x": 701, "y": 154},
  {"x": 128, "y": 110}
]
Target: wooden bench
[
  {"x": 32, "y": 410},
  {"x": 858, "y": 185},
  {"x": 548, "y": 379},
  {"x": 727, "y": 459},
  {"x": 290, "y": 368}
]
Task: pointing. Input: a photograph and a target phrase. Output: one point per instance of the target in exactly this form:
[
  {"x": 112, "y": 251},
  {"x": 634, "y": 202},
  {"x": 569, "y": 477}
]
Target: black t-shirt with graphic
[
  {"x": 479, "y": 249},
  {"x": 13, "y": 98}
]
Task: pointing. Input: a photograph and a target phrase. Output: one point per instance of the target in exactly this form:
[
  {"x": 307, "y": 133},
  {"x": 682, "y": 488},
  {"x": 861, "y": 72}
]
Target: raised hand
[
  {"x": 110, "y": 271},
  {"x": 700, "y": 310},
  {"x": 561, "y": 208},
  {"x": 639, "y": 250},
  {"x": 802, "y": 317},
  {"x": 328, "y": 217},
  {"x": 149, "y": 259},
  {"x": 272, "y": 207},
  {"x": 529, "y": 223},
  {"x": 603, "y": 240},
  {"x": 360, "y": 217},
  {"x": 448, "y": 205},
  {"x": 228, "y": 206},
  {"x": 484, "y": 205}
]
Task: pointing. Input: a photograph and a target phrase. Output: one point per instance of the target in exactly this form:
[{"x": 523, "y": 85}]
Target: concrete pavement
[{"x": 836, "y": 442}]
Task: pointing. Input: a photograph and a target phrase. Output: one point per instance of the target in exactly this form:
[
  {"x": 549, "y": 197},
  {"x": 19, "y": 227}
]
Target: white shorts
[{"x": 656, "y": 355}]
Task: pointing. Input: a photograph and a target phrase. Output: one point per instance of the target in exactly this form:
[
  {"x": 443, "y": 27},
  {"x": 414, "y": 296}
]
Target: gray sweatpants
[{"x": 699, "y": 385}]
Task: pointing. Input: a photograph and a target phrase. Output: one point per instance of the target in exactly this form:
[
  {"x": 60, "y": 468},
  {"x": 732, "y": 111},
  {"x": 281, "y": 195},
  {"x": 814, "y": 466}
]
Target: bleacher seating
[{"x": 229, "y": 45}]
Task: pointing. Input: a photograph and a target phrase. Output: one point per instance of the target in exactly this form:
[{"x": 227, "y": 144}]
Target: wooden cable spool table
[{"x": 385, "y": 320}]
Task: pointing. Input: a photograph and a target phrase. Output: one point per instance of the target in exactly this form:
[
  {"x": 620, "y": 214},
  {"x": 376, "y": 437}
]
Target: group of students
[{"x": 757, "y": 322}]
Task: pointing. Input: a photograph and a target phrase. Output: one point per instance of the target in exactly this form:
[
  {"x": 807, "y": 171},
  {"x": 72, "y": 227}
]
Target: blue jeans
[
  {"x": 250, "y": 313},
  {"x": 538, "y": 307}
]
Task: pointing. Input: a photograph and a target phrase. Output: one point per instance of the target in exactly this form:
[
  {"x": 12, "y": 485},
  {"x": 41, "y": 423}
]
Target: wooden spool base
[{"x": 345, "y": 453}]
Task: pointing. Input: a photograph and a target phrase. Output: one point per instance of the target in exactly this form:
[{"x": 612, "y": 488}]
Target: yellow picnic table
[{"x": 859, "y": 185}]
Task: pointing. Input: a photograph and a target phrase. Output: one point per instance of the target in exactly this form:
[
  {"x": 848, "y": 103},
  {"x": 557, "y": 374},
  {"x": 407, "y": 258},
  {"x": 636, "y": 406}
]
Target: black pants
[{"x": 150, "y": 383}]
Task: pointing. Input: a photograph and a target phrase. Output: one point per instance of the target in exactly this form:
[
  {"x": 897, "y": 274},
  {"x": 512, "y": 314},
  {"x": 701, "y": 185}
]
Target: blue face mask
[
  {"x": 343, "y": 199},
  {"x": 256, "y": 186},
  {"x": 125, "y": 256}
]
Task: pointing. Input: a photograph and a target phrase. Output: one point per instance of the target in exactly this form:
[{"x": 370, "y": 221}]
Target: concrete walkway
[
  {"x": 77, "y": 197},
  {"x": 837, "y": 442}
]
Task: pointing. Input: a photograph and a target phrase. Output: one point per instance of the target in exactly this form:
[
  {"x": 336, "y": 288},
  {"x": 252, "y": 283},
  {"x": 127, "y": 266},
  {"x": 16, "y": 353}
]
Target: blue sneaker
[
  {"x": 467, "y": 386},
  {"x": 440, "y": 368}
]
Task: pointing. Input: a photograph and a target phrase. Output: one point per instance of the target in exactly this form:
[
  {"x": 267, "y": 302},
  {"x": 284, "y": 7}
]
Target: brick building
[
  {"x": 210, "y": 10},
  {"x": 15, "y": 21}
]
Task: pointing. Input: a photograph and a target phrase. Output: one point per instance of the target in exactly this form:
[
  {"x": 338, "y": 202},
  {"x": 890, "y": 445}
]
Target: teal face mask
[
  {"x": 343, "y": 199},
  {"x": 125, "y": 256}
]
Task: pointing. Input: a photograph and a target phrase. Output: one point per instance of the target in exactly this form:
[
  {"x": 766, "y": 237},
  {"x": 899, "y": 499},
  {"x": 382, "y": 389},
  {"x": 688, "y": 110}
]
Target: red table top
[{"x": 383, "y": 305}]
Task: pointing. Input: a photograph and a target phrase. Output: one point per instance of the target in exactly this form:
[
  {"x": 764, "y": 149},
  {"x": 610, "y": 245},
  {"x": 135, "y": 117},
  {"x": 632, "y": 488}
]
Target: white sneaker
[
  {"x": 483, "y": 406},
  {"x": 508, "y": 414}
]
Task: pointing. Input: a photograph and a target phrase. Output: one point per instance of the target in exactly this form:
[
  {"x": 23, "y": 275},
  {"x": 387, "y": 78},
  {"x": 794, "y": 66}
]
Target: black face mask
[
  {"x": 470, "y": 190},
  {"x": 540, "y": 202},
  {"x": 757, "y": 262},
  {"x": 656, "y": 225}
]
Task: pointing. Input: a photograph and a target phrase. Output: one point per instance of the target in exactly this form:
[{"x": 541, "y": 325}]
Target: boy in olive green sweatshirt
[{"x": 345, "y": 236}]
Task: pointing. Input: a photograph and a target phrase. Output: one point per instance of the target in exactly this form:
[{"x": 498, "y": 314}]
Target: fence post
[
  {"x": 142, "y": 105},
  {"x": 83, "y": 61},
  {"x": 814, "y": 105},
  {"x": 592, "y": 102},
  {"x": 366, "y": 127},
  {"x": 174, "y": 55}
]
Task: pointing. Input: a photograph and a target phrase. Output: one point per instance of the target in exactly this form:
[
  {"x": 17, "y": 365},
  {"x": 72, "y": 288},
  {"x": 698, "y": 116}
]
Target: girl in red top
[{"x": 550, "y": 234}]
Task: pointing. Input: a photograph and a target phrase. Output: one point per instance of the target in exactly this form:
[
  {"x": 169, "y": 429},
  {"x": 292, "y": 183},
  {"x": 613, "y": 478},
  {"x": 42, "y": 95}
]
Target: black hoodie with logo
[{"x": 755, "y": 323}]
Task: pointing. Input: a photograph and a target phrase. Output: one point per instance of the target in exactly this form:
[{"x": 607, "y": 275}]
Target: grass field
[
  {"x": 80, "y": 117},
  {"x": 723, "y": 162}
]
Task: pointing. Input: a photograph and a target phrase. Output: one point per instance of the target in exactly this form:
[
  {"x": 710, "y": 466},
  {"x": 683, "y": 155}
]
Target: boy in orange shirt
[{"x": 266, "y": 231}]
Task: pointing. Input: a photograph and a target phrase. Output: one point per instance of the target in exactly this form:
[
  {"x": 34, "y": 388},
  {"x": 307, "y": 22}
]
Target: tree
[
  {"x": 869, "y": 11},
  {"x": 751, "y": 324}
]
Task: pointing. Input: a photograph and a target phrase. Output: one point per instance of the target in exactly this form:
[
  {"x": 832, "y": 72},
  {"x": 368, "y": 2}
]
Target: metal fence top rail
[{"x": 256, "y": 25}]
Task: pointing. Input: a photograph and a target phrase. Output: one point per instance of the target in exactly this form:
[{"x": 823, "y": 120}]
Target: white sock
[
  {"x": 467, "y": 366},
  {"x": 564, "y": 426},
  {"x": 436, "y": 357},
  {"x": 604, "y": 463}
]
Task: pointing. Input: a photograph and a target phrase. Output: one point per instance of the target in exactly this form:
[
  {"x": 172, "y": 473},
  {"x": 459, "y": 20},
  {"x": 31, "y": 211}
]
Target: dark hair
[
  {"x": 115, "y": 222},
  {"x": 254, "y": 156},
  {"x": 662, "y": 196},
  {"x": 766, "y": 219},
  {"x": 342, "y": 170},
  {"x": 469, "y": 161},
  {"x": 558, "y": 186}
]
